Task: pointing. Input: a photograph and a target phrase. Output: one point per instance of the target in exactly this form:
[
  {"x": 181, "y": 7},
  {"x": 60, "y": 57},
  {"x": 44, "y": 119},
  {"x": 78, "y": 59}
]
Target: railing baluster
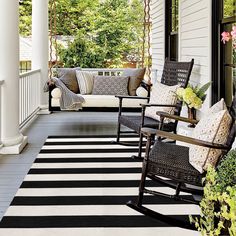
[
  {"x": 29, "y": 95},
  {"x": 1, "y": 82}
]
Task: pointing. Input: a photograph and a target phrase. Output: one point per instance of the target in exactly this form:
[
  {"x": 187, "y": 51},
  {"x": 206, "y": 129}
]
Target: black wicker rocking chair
[
  {"x": 173, "y": 73},
  {"x": 172, "y": 161}
]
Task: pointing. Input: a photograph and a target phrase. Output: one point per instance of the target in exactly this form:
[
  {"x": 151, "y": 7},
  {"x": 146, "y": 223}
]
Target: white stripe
[
  {"x": 88, "y": 147},
  {"x": 61, "y": 177},
  {"x": 88, "y": 191},
  {"x": 98, "y": 210},
  {"x": 150, "y": 231},
  {"x": 86, "y": 155},
  {"x": 86, "y": 165},
  {"x": 50, "y": 140}
]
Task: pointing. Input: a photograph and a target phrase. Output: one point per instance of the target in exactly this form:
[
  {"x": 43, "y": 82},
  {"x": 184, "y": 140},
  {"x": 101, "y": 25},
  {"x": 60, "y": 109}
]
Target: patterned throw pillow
[
  {"x": 162, "y": 94},
  {"x": 212, "y": 128},
  {"x": 110, "y": 85},
  {"x": 136, "y": 76},
  {"x": 68, "y": 77},
  {"x": 219, "y": 106},
  {"x": 85, "y": 81}
]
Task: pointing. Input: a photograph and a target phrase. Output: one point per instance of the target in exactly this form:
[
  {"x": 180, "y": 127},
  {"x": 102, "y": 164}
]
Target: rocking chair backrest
[
  {"x": 176, "y": 73},
  {"x": 232, "y": 134}
]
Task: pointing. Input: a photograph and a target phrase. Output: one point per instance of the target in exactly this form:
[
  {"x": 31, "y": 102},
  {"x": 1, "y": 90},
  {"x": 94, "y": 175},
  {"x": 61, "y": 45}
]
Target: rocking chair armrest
[
  {"x": 186, "y": 139},
  {"x": 174, "y": 117},
  {"x": 158, "y": 105},
  {"x": 130, "y": 97}
]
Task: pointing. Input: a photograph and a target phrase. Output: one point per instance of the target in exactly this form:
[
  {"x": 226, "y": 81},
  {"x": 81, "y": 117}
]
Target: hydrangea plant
[{"x": 193, "y": 96}]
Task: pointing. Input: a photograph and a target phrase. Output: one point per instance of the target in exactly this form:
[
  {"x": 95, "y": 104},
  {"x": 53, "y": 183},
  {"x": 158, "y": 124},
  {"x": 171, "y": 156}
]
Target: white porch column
[
  {"x": 40, "y": 45},
  {"x": 13, "y": 141}
]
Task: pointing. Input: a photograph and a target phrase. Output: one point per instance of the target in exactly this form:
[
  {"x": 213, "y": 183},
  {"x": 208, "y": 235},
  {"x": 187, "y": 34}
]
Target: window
[
  {"x": 223, "y": 55},
  {"x": 172, "y": 24}
]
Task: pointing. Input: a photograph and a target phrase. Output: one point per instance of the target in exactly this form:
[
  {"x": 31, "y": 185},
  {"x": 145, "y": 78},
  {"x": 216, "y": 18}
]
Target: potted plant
[
  {"x": 193, "y": 97},
  {"x": 218, "y": 205}
]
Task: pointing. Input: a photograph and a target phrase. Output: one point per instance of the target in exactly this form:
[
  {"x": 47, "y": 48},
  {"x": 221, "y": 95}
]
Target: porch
[
  {"x": 13, "y": 168},
  {"x": 24, "y": 106}
]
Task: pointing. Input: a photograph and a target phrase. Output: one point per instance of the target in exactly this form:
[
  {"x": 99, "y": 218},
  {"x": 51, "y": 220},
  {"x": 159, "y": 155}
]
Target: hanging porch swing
[{"x": 54, "y": 62}]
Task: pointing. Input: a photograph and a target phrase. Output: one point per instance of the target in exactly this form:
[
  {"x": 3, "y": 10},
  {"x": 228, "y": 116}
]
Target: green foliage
[
  {"x": 107, "y": 32},
  {"x": 111, "y": 34},
  {"x": 227, "y": 171},
  {"x": 218, "y": 205},
  {"x": 25, "y": 12},
  {"x": 200, "y": 91}
]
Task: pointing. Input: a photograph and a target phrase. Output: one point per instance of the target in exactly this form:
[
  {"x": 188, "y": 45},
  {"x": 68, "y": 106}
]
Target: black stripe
[
  {"x": 84, "y": 160},
  {"x": 86, "y": 171},
  {"x": 82, "y": 221},
  {"x": 87, "y": 184},
  {"x": 90, "y": 200},
  {"x": 78, "y": 221},
  {"x": 89, "y": 151},
  {"x": 86, "y": 143}
]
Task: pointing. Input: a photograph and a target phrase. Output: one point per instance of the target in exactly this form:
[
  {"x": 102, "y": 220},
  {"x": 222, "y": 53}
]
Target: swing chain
[
  {"x": 147, "y": 38},
  {"x": 52, "y": 38}
]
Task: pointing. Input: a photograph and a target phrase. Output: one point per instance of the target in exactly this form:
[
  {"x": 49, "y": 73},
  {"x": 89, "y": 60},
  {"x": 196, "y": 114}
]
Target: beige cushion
[
  {"x": 136, "y": 76},
  {"x": 219, "y": 106},
  {"x": 162, "y": 94},
  {"x": 85, "y": 81},
  {"x": 141, "y": 92},
  {"x": 56, "y": 93},
  {"x": 68, "y": 77},
  {"x": 212, "y": 128},
  {"x": 103, "y": 101},
  {"x": 110, "y": 85}
]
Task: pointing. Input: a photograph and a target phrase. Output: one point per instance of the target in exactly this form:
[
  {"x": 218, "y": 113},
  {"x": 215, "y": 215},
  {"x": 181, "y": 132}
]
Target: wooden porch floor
[{"x": 13, "y": 168}]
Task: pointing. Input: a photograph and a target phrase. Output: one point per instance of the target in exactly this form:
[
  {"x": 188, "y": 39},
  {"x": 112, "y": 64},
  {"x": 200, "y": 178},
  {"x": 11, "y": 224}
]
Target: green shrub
[
  {"x": 227, "y": 170},
  {"x": 218, "y": 205}
]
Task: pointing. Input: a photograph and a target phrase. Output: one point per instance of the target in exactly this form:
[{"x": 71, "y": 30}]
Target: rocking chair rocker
[
  {"x": 174, "y": 73},
  {"x": 172, "y": 161}
]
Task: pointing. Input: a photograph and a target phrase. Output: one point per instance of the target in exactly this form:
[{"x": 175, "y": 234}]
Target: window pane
[{"x": 229, "y": 8}]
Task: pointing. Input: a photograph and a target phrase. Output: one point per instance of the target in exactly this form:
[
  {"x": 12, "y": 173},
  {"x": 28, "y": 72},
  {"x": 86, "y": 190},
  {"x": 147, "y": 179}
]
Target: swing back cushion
[
  {"x": 110, "y": 85},
  {"x": 136, "y": 76},
  {"x": 213, "y": 127},
  {"x": 68, "y": 77},
  {"x": 162, "y": 94},
  {"x": 85, "y": 81}
]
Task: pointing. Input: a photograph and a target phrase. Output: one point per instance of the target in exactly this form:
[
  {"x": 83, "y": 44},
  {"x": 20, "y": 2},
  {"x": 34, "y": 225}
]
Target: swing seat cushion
[{"x": 107, "y": 101}]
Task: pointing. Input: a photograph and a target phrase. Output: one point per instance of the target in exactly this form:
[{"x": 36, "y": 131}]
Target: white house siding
[
  {"x": 158, "y": 35},
  {"x": 195, "y": 40}
]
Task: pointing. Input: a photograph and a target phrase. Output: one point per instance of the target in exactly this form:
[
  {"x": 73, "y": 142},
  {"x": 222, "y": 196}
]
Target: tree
[
  {"x": 113, "y": 29},
  {"x": 107, "y": 32},
  {"x": 25, "y": 12}
]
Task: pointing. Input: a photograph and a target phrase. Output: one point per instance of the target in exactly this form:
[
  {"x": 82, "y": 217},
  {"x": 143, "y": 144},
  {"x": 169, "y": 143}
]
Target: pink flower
[
  {"x": 225, "y": 36},
  {"x": 233, "y": 32}
]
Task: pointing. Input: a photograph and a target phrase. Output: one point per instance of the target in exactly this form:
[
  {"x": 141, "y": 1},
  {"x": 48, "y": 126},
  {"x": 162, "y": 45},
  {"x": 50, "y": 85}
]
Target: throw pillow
[
  {"x": 136, "y": 76},
  {"x": 162, "y": 94},
  {"x": 141, "y": 92},
  {"x": 219, "y": 106},
  {"x": 213, "y": 128},
  {"x": 110, "y": 85},
  {"x": 68, "y": 77},
  {"x": 85, "y": 81}
]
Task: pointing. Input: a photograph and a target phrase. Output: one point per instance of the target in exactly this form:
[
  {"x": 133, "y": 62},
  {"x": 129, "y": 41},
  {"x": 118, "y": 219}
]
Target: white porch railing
[
  {"x": 1, "y": 82},
  {"x": 29, "y": 95}
]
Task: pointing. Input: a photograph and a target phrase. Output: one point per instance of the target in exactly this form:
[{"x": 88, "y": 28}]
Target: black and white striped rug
[{"x": 80, "y": 186}]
